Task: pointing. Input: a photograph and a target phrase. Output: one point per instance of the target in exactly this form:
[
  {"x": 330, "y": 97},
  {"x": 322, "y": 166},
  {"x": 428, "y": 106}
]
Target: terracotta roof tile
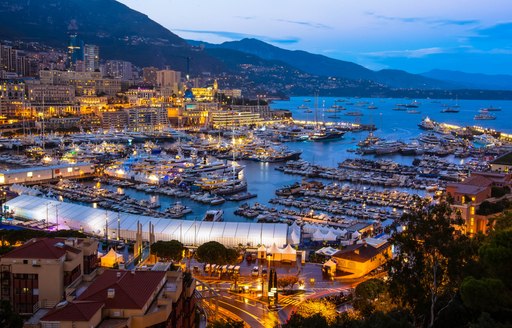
[
  {"x": 131, "y": 290},
  {"x": 41, "y": 248},
  {"x": 74, "y": 311}
]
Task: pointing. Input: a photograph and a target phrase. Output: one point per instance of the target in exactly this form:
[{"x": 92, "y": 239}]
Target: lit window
[
  {"x": 29, "y": 174},
  {"x": 70, "y": 169},
  {"x": 472, "y": 221},
  {"x": 472, "y": 210}
]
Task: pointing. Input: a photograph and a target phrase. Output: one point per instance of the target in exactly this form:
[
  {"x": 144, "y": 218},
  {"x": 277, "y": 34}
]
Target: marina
[{"x": 356, "y": 172}]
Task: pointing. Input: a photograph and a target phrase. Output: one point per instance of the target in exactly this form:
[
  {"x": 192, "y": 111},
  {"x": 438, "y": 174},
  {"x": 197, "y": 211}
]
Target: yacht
[
  {"x": 178, "y": 210},
  {"x": 485, "y": 116},
  {"x": 450, "y": 110},
  {"x": 324, "y": 134},
  {"x": 491, "y": 109},
  {"x": 427, "y": 124},
  {"x": 213, "y": 216},
  {"x": 353, "y": 114},
  {"x": 429, "y": 138}
]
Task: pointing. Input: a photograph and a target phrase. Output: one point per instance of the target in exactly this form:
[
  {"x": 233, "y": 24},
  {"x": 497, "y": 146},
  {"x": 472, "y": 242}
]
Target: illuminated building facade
[{"x": 91, "y": 57}]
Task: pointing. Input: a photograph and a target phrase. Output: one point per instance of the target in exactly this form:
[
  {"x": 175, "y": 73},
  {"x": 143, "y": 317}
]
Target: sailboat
[{"x": 322, "y": 133}]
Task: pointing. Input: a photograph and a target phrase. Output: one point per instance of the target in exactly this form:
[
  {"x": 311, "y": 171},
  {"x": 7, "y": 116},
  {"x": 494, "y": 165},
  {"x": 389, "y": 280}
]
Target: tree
[
  {"x": 8, "y": 318},
  {"x": 310, "y": 308},
  {"x": 212, "y": 252},
  {"x": 372, "y": 295},
  {"x": 430, "y": 263},
  {"x": 229, "y": 323},
  {"x": 285, "y": 281},
  {"x": 296, "y": 320},
  {"x": 172, "y": 250}
]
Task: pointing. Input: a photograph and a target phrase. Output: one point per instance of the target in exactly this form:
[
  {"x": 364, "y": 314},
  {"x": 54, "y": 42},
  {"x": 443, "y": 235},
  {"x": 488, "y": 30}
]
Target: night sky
[{"x": 473, "y": 36}]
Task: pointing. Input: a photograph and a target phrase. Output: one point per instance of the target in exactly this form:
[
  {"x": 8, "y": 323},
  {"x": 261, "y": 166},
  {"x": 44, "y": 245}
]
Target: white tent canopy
[{"x": 124, "y": 225}]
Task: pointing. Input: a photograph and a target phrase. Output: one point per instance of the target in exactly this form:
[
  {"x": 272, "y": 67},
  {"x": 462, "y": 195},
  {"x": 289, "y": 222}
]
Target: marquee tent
[{"x": 124, "y": 225}]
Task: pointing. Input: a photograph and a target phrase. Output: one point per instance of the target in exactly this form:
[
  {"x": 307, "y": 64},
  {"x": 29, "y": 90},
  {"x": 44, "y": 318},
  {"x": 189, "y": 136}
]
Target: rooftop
[
  {"x": 131, "y": 289},
  {"x": 42, "y": 248},
  {"x": 74, "y": 311},
  {"x": 360, "y": 252}
]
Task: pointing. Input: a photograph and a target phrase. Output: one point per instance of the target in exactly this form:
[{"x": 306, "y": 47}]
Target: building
[
  {"x": 149, "y": 75},
  {"x": 231, "y": 119},
  {"x": 360, "y": 259},
  {"x": 119, "y": 69},
  {"x": 91, "y": 58},
  {"x": 469, "y": 194},
  {"x": 147, "y": 119},
  {"x": 8, "y": 58},
  {"x": 75, "y": 49},
  {"x": 12, "y": 97},
  {"x": 117, "y": 298},
  {"x": 117, "y": 120},
  {"x": 89, "y": 83},
  {"x": 39, "y": 273},
  {"x": 40, "y": 174},
  {"x": 502, "y": 163},
  {"x": 141, "y": 95}
]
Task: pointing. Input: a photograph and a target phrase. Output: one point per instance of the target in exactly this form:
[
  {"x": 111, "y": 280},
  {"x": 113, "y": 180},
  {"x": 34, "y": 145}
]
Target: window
[
  {"x": 25, "y": 261},
  {"x": 29, "y": 174}
]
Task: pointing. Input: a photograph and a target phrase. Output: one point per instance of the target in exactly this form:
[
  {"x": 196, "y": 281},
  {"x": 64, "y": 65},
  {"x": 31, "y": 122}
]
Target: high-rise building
[
  {"x": 119, "y": 69},
  {"x": 91, "y": 57},
  {"x": 75, "y": 49},
  {"x": 8, "y": 58}
]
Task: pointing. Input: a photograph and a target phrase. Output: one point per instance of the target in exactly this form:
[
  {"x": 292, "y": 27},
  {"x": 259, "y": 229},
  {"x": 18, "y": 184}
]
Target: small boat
[
  {"x": 491, "y": 109},
  {"x": 213, "y": 216},
  {"x": 413, "y": 111},
  {"x": 178, "y": 210},
  {"x": 450, "y": 110},
  {"x": 303, "y": 107},
  {"x": 217, "y": 200},
  {"x": 353, "y": 114},
  {"x": 484, "y": 117}
]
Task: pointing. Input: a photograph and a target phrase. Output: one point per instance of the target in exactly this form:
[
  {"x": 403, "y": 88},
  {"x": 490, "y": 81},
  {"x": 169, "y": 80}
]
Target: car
[
  {"x": 255, "y": 271},
  {"x": 264, "y": 272}
]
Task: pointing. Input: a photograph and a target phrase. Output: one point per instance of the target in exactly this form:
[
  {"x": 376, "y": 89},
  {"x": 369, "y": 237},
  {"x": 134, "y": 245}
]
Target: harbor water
[{"x": 263, "y": 178}]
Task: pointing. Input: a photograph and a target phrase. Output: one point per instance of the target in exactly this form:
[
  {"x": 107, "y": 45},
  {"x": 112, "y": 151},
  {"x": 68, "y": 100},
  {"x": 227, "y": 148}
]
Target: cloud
[
  {"x": 500, "y": 31},
  {"x": 426, "y": 20},
  {"x": 308, "y": 24},
  {"x": 417, "y": 53},
  {"x": 238, "y": 36},
  {"x": 246, "y": 17}
]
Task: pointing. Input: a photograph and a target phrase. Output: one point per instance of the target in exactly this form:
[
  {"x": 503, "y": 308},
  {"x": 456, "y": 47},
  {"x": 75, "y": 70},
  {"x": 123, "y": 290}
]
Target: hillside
[
  {"x": 121, "y": 33},
  {"x": 469, "y": 80},
  {"x": 325, "y": 66}
]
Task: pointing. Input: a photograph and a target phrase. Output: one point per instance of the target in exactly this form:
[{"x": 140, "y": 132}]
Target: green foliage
[
  {"x": 496, "y": 256},
  {"x": 215, "y": 252},
  {"x": 298, "y": 321},
  {"x": 229, "y": 323},
  {"x": 487, "y": 294},
  {"x": 13, "y": 236},
  {"x": 488, "y": 208},
  {"x": 287, "y": 281},
  {"x": 172, "y": 250},
  {"x": 310, "y": 308},
  {"x": 430, "y": 262},
  {"x": 367, "y": 293},
  {"x": 8, "y": 318},
  {"x": 499, "y": 191}
]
